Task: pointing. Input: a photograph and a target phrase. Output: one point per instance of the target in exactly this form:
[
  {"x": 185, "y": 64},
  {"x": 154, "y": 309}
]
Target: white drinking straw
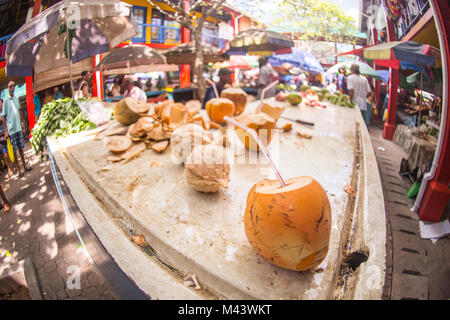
[
  {"x": 263, "y": 92},
  {"x": 214, "y": 87},
  {"x": 260, "y": 143}
]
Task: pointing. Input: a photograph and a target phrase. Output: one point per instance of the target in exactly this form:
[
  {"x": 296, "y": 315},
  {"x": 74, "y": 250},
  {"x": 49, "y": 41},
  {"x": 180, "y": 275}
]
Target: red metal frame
[
  {"x": 29, "y": 81},
  {"x": 437, "y": 194},
  {"x": 97, "y": 76},
  {"x": 394, "y": 82}
]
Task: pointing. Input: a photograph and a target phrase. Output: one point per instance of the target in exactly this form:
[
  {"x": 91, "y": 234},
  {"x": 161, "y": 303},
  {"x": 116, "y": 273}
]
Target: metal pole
[{"x": 421, "y": 100}]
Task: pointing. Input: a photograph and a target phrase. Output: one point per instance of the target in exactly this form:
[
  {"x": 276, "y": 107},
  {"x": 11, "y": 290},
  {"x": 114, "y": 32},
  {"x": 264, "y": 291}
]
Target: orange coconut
[
  {"x": 238, "y": 96},
  {"x": 218, "y": 108},
  {"x": 289, "y": 226}
]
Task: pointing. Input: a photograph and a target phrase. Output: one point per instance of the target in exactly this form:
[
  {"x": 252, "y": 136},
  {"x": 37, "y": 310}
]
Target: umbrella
[
  {"x": 364, "y": 68},
  {"x": 143, "y": 68},
  {"x": 185, "y": 54},
  {"x": 259, "y": 42},
  {"x": 391, "y": 54},
  {"x": 39, "y": 44},
  {"x": 130, "y": 56},
  {"x": 298, "y": 58},
  {"x": 238, "y": 62}
]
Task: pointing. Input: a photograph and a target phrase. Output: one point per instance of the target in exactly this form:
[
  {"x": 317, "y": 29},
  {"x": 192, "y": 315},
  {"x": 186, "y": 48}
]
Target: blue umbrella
[
  {"x": 298, "y": 58},
  {"x": 383, "y": 74}
]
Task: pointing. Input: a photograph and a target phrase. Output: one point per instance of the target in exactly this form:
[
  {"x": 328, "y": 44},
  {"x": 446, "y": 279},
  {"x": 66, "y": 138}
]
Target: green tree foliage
[
  {"x": 317, "y": 19},
  {"x": 309, "y": 19}
]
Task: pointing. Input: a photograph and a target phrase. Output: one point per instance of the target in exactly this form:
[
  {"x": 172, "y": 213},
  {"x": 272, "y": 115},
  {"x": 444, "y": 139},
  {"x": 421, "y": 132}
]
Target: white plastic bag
[{"x": 95, "y": 111}]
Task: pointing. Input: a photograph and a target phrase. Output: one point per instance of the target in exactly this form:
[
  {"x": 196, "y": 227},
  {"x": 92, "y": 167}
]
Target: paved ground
[
  {"x": 416, "y": 268},
  {"x": 37, "y": 227}
]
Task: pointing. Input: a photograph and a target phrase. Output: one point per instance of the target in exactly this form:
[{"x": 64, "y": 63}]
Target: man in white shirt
[
  {"x": 133, "y": 91},
  {"x": 359, "y": 89},
  {"x": 266, "y": 76}
]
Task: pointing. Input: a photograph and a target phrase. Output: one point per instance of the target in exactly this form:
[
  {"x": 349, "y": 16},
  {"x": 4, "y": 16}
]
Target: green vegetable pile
[{"x": 59, "y": 118}]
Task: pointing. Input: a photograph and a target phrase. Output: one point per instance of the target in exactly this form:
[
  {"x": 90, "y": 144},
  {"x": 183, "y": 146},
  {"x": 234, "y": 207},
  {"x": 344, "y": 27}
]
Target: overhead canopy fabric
[
  {"x": 259, "y": 42},
  {"x": 390, "y": 54},
  {"x": 130, "y": 56},
  {"x": 57, "y": 76},
  {"x": 186, "y": 54},
  {"x": 101, "y": 25}
]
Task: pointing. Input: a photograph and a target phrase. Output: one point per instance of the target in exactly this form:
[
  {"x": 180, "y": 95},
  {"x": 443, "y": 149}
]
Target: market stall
[{"x": 193, "y": 245}]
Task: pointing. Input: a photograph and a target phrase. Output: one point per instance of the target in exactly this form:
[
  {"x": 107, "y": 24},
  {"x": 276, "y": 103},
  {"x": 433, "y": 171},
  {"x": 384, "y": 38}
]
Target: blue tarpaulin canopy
[{"x": 298, "y": 58}]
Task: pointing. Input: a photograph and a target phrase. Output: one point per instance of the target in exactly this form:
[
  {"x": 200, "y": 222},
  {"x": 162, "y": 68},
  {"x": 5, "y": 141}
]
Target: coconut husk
[
  {"x": 287, "y": 127},
  {"x": 305, "y": 132},
  {"x": 160, "y": 146},
  {"x": 158, "y": 134},
  {"x": 193, "y": 107},
  {"x": 118, "y": 144},
  {"x": 133, "y": 152}
]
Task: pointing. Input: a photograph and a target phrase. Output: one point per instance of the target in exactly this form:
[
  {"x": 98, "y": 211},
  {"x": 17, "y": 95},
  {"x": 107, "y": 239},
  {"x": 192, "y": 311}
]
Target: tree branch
[{"x": 180, "y": 15}]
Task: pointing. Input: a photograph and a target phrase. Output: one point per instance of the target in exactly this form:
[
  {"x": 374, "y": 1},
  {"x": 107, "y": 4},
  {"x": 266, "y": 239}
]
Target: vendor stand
[{"x": 188, "y": 232}]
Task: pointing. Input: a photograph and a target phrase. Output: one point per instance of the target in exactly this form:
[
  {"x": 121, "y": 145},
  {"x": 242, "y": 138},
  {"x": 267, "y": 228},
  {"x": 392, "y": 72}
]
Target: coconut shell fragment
[
  {"x": 273, "y": 111},
  {"x": 238, "y": 96},
  {"x": 305, "y": 132},
  {"x": 133, "y": 152},
  {"x": 160, "y": 146},
  {"x": 193, "y": 107},
  {"x": 287, "y": 127},
  {"x": 118, "y": 144},
  {"x": 159, "y": 134},
  {"x": 261, "y": 123},
  {"x": 207, "y": 168},
  {"x": 185, "y": 138}
]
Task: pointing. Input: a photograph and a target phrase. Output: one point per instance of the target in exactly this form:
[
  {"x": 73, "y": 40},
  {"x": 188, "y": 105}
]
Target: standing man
[
  {"x": 83, "y": 89},
  {"x": 341, "y": 81},
  {"x": 133, "y": 91},
  {"x": 12, "y": 119},
  {"x": 359, "y": 91},
  {"x": 224, "y": 80},
  {"x": 266, "y": 76}
]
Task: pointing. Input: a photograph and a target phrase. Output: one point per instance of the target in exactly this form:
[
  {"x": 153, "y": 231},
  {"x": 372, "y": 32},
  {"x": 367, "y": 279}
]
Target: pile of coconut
[
  {"x": 156, "y": 126},
  {"x": 147, "y": 126}
]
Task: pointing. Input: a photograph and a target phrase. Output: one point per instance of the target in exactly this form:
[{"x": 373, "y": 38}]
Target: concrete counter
[{"x": 203, "y": 234}]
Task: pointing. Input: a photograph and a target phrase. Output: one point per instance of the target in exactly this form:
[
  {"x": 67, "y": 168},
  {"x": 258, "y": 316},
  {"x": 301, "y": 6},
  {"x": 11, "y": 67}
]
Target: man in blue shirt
[
  {"x": 224, "y": 79},
  {"x": 11, "y": 117}
]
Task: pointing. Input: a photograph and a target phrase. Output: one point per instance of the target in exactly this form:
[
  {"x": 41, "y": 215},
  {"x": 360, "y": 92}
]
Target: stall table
[
  {"x": 420, "y": 151},
  {"x": 203, "y": 234}
]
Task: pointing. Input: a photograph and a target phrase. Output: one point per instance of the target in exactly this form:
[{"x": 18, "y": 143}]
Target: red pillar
[
  {"x": 377, "y": 82},
  {"x": 29, "y": 81},
  {"x": 97, "y": 80},
  {"x": 437, "y": 193},
  {"x": 394, "y": 82},
  {"x": 30, "y": 102},
  {"x": 185, "y": 69}
]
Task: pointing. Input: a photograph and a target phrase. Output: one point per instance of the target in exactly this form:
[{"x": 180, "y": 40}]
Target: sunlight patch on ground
[
  {"x": 69, "y": 226},
  {"x": 48, "y": 230},
  {"x": 24, "y": 227}
]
